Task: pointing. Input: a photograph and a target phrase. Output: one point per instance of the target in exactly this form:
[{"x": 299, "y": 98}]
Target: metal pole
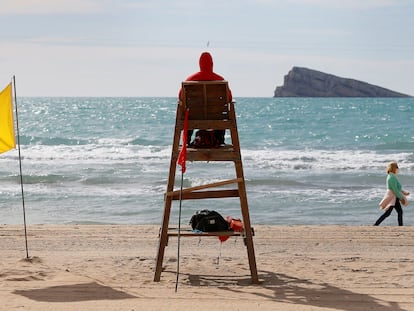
[
  {"x": 179, "y": 232},
  {"x": 20, "y": 166}
]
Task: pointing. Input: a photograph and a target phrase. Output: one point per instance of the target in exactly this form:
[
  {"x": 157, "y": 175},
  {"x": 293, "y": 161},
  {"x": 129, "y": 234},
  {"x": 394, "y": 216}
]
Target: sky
[{"x": 147, "y": 47}]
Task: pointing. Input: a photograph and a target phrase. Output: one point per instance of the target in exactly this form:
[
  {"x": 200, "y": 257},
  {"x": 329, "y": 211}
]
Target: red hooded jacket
[{"x": 206, "y": 72}]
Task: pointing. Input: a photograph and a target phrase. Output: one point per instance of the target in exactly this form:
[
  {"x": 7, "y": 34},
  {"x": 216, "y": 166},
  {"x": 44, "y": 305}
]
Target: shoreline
[{"x": 300, "y": 267}]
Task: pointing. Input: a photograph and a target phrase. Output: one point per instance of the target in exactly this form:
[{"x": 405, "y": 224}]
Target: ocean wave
[
  {"x": 95, "y": 153},
  {"x": 53, "y": 141},
  {"x": 309, "y": 159},
  {"x": 47, "y": 179},
  {"x": 395, "y": 145}
]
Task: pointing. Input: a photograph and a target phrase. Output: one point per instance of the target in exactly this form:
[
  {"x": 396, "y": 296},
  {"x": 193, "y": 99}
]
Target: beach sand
[{"x": 111, "y": 267}]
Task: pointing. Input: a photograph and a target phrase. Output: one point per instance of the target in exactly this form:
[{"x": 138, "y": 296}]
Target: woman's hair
[{"x": 392, "y": 167}]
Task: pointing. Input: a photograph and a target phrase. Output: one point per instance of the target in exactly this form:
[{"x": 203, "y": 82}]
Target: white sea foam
[
  {"x": 93, "y": 153},
  {"x": 311, "y": 159}
]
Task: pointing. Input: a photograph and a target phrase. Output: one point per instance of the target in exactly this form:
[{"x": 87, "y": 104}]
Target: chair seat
[{"x": 222, "y": 153}]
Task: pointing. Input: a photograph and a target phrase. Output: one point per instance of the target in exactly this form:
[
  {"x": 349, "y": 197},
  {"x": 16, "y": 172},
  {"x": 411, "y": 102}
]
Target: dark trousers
[
  {"x": 218, "y": 134},
  {"x": 387, "y": 213}
]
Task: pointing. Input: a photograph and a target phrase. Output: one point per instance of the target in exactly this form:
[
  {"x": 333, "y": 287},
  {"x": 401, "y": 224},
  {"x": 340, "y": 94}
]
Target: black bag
[{"x": 209, "y": 221}]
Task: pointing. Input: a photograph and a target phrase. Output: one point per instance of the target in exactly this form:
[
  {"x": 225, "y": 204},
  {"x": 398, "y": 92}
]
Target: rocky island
[{"x": 304, "y": 82}]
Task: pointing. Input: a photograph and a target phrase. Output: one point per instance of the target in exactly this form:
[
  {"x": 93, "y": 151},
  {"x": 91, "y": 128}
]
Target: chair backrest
[{"x": 206, "y": 100}]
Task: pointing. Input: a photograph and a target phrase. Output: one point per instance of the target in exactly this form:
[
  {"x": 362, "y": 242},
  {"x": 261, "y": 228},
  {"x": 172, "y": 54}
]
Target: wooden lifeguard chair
[{"x": 209, "y": 108}]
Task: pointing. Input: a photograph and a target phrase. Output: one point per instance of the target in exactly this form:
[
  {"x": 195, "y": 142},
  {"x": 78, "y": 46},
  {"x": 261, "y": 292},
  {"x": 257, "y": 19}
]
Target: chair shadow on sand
[
  {"x": 286, "y": 289},
  {"x": 73, "y": 293}
]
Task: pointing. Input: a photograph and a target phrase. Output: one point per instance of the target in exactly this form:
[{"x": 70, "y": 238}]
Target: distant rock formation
[{"x": 304, "y": 82}]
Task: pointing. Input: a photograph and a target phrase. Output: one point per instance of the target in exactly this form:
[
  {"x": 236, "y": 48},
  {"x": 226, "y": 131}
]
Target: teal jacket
[{"x": 394, "y": 185}]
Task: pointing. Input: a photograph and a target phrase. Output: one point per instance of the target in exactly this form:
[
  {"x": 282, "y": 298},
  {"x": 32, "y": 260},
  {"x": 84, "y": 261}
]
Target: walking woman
[{"x": 394, "y": 197}]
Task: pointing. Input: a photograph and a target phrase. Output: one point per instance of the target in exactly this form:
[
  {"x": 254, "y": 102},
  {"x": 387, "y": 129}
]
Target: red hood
[{"x": 206, "y": 62}]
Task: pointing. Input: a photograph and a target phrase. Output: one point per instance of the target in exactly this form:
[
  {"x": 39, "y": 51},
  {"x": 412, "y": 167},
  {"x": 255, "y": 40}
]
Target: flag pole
[
  {"x": 182, "y": 158},
  {"x": 179, "y": 232},
  {"x": 20, "y": 166}
]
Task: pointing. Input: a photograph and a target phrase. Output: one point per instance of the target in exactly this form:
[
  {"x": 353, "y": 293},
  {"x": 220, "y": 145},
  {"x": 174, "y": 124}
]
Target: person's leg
[
  {"x": 189, "y": 134},
  {"x": 399, "y": 210},
  {"x": 383, "y": 216},
  {"x": 219, "y": 135}
]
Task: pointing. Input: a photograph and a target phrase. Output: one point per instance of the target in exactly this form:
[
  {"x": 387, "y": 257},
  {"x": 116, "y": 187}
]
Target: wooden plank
[
  {"x": 205, "y": 234},
  {"x": 209, "y": 155},
  {"x": 191, "y": 233},
  {"x": 210, "y": 194},
  {"x": 213, "y": 155},
  {"x": 210, "y": 124},
  {"x": 201, "y": 187},
  {"x": 225, "y": 124}
]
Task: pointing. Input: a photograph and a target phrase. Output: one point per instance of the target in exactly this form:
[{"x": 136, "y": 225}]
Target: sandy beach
[{"x": 111, "y": 267}]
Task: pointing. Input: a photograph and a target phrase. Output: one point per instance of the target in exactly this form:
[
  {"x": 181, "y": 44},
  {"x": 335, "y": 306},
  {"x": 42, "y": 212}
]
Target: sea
[{"x": 307, "y": 161}]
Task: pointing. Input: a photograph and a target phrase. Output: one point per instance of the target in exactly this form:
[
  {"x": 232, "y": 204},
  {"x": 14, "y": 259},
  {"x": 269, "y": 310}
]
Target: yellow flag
[{"x": 7, "y": 140}]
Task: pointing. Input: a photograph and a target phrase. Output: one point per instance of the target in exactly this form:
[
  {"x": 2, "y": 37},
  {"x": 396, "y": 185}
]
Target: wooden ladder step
[{"x": 191, "y": 233}]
